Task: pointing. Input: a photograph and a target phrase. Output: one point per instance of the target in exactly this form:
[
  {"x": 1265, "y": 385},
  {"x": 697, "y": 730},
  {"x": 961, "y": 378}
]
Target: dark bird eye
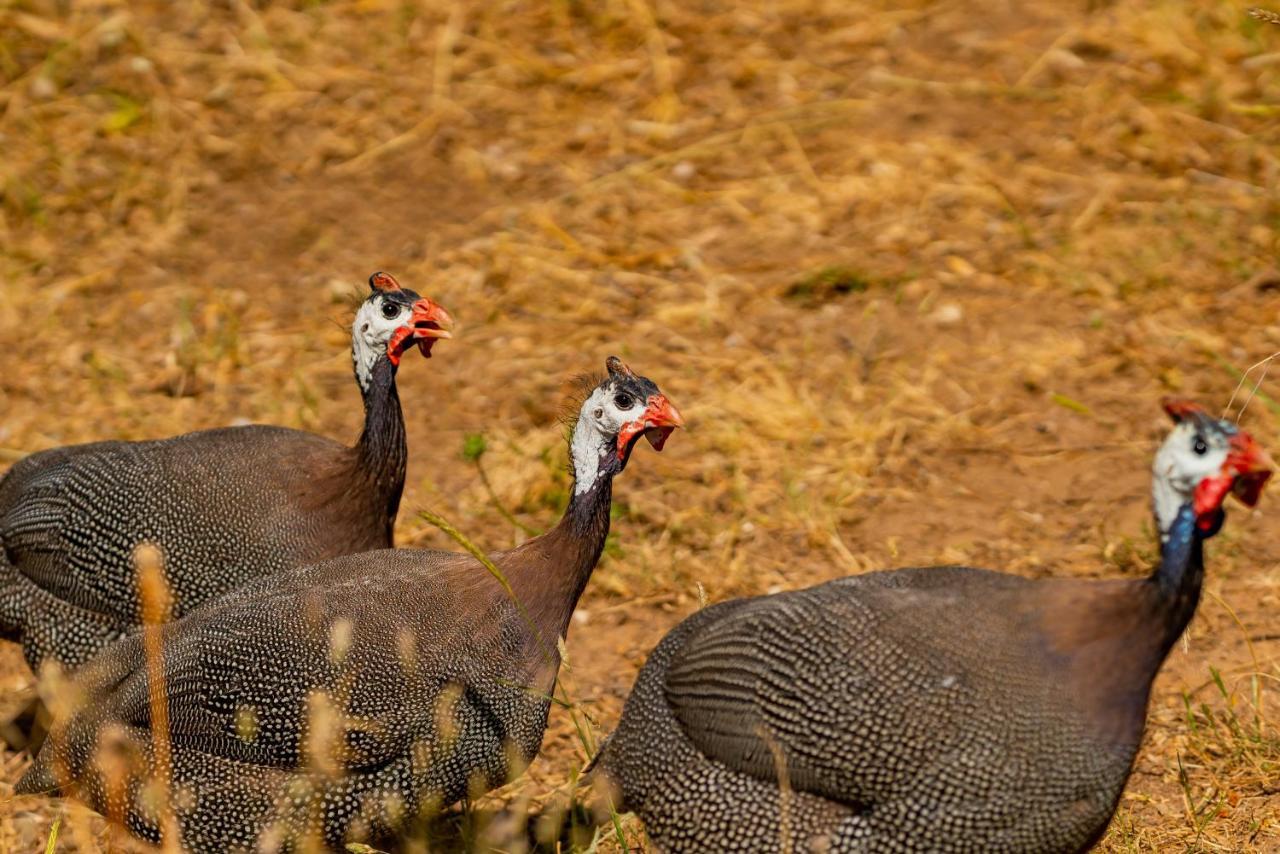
[
  {"x": 623, "y": 401},
  {"x": 1199, "y": 446},
  {"x": 390, "y": 310}
]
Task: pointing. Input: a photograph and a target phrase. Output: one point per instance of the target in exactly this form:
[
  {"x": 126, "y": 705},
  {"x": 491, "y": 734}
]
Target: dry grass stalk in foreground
[
  {"x": 1058, "y": 202},
  {"x": 156, "y": 602}
]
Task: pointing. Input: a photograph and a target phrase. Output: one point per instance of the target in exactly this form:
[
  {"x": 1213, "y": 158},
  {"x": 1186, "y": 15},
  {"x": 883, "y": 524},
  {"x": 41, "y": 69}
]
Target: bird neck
[
  {"x": 381, "y": 451},
  {"x": 583, "y": 529},
  {"x": 549, "y": 573},
  {"x": 1180, "y": 575}
]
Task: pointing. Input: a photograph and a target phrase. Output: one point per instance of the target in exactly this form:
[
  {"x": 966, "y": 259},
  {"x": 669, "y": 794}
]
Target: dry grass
[{"x": 915, "y": 274}]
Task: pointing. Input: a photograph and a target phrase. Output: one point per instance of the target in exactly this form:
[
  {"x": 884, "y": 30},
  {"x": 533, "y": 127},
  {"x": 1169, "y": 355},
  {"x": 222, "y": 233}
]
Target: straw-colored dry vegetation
[{"x": 916, "y": 272}]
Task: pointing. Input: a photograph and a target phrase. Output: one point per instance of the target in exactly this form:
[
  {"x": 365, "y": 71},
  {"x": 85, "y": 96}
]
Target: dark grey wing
[
  {"x": 52, "y": 511},
  {"x": 848, "y": 687},
  {"x": 263, "y": 697},
  {"x": 225, "y": 504}
]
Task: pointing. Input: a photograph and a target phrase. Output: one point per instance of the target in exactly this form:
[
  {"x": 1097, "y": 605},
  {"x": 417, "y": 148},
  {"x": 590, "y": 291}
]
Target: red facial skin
[
  {"x": 427, "y": 323},
  {"x": 657, "y": 422},
  {"x": 1245, "y": 472}
]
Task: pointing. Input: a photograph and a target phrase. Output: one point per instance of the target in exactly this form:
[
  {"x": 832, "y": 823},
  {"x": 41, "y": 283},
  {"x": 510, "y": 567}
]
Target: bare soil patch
[{"x": 916, "y": 274}]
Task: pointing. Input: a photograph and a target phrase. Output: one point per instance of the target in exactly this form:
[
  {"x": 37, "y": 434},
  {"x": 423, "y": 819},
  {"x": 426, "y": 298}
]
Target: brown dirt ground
[{"x": 916, "y": 273}]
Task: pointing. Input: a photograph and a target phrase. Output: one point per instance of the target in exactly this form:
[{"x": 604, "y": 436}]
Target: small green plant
[
  {"x": 826, "y": 284},
  {"x": 125, "y": 113},
  {"x": 1235, "y": 741},
  {"x": 1069, "y": 403},
  {"x": 474, "y": 446}
]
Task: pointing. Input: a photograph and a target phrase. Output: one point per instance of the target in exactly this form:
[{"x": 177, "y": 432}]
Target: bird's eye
[
  {"x": 622, "y": 400},
  {"x": 1200, "y": 446},
  {"x": 390, "y": 310}
]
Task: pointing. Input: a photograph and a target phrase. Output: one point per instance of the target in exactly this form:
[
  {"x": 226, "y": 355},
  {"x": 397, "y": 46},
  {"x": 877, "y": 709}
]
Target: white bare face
[
  {"x": 602, "y": 417},
  {"x": 378, "y": 318},
  {"x": 1188, "y": 456}
]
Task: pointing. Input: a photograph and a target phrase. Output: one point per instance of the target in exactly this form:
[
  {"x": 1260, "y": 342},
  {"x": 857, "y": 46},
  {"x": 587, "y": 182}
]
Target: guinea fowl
[
  {"x": 927, "y": 709},
  {"x": 341, "y": 699},
  {"x": 223, "y": 505}
]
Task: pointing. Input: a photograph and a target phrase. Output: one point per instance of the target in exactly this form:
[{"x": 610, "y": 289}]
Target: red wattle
[
  {"x": 1208, "y": 497},
  {"x": 398, "y": 343}
]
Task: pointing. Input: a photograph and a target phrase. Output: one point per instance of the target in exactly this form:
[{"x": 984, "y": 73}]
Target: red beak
[
  {"x": 430, "y": 322},
  {"x": 1244, "y": 474},
  {"x": 657, "y": 422},
  {"x": 427, "y": 323}
]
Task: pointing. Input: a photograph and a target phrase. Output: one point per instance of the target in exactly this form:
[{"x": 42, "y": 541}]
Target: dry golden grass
[{"x": 916, "y": 273}]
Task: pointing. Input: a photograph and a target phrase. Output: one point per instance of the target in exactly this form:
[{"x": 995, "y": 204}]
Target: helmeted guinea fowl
[
  {"x": 928, "y": 709},
  {"x": 222, "y": 505},
  {"x": 343, "y": 698}
]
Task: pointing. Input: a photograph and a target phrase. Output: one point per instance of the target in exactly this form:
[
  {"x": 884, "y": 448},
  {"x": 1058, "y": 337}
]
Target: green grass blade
[{"x": 53, "y": 836}]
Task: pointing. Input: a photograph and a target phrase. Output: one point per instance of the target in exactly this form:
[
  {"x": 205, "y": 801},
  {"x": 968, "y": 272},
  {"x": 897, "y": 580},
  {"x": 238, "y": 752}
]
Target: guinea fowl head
[
  {"x": 1202, "y": 460},
  {"x": 616, "y": 413},
  {"x": 391, "y": 321}
]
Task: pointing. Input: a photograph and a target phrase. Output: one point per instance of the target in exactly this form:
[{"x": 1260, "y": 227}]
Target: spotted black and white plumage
[
  {"x": 933, "y": 709},
  {"x": 244, "y": 678},
  {"x": 432, "y": 682},
  {"x": 224, "y": 506}
]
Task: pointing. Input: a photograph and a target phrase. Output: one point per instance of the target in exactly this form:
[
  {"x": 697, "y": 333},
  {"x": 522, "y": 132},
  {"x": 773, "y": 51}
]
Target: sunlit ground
[{"x": 917, "y": 275}]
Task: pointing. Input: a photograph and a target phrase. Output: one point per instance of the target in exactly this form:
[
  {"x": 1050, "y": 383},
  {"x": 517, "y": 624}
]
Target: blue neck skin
[{"x": 1181, "y": 572}]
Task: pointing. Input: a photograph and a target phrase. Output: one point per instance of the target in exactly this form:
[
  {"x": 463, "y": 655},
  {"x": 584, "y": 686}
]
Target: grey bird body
[
  {"x": 343, "y": 699},
  {"x": 937, "y": 709},
  {"x": 895, "y": 722},
  {"x": 330, "y": 700},
  {"x": 224, "y": 506},
  {"x": 71, "y": 518}
]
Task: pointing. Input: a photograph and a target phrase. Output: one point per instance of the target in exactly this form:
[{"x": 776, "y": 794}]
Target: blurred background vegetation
[{"x": 916, "y": 273}]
